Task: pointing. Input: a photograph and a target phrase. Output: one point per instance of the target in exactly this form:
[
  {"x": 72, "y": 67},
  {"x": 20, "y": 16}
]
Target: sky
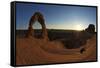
[{"x": 56, "y": 16}]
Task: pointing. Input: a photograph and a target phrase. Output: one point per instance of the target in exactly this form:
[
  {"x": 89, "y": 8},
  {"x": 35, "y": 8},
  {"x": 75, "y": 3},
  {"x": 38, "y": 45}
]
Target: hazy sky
[{"x": 56, "y": 16}]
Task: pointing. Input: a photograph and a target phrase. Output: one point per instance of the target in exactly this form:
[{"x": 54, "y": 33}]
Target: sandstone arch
[{"x": 37, "y": 16}]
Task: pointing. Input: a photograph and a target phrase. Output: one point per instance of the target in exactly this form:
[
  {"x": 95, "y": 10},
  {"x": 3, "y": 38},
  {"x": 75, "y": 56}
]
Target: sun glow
[{"x": 78, "y": 27}]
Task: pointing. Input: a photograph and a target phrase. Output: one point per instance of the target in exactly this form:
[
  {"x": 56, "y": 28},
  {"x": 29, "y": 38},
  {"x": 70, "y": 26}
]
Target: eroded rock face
[
  {"x": 37, "y": 16},
  {"x": 91, "y": 28}
]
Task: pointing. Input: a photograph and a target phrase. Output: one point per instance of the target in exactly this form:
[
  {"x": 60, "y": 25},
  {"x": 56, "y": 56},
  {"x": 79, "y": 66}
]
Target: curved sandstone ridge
[{"x": 39, "y": 51}]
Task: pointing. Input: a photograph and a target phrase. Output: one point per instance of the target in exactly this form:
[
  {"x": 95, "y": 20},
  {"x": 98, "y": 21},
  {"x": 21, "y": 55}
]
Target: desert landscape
[
  {"x": 40, "y": 51},
  {"x": 46, "y": 46}
]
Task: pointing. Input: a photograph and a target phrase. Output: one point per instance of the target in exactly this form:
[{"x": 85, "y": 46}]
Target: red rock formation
[
  {"x": 91, "y": 28},
  {"x": 37, "y": 17}
]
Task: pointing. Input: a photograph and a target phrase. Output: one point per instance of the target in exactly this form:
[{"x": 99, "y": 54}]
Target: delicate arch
[{"x": 37, "y": 16}]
